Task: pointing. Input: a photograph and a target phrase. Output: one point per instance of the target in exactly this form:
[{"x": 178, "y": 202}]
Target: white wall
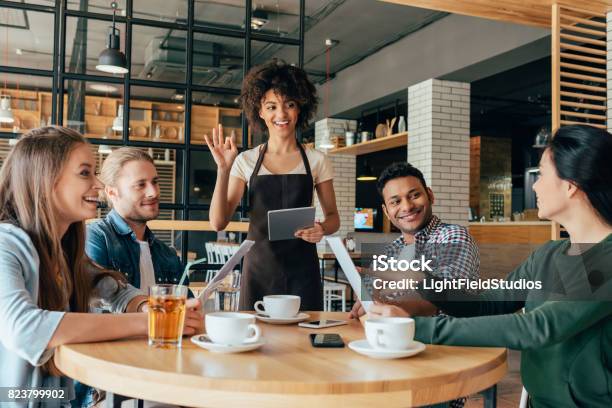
[{"x": 445, "y": 46}]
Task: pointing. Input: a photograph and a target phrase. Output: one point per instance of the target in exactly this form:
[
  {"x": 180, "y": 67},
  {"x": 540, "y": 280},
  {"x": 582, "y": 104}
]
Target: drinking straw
[{"x": 188, "y": 266}]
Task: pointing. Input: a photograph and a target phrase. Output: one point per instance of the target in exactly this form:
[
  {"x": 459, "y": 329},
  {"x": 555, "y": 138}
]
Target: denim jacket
[{"x": 112, "y": 244}]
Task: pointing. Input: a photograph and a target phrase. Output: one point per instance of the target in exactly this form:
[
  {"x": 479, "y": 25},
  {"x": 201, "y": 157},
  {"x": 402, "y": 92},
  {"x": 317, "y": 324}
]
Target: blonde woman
[{"x": 48, "y": 188}]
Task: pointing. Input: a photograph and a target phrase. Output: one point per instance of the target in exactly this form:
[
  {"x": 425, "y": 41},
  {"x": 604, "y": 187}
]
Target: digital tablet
[{"x": 282, "y": 224}]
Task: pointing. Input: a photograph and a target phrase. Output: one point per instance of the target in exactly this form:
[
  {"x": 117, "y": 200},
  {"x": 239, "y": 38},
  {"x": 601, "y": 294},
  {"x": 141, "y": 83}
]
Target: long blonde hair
[{"x": 67, "y": 276}]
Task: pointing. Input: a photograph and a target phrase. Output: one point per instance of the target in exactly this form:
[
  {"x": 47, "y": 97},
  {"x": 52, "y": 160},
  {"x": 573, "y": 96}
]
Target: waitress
[{"x": 279, "y": 174}]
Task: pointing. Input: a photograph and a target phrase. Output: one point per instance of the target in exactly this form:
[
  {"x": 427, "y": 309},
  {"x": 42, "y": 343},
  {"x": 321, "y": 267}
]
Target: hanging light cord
[
  {"x": 327, "y": 68},
  {"x": 7, "y": 45},
  {"x": 114, "y": 7}
]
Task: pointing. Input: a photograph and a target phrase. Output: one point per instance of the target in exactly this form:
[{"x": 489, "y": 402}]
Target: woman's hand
[
  {"x": 224, "y": 150},
  {"x": 313, "y": 234},
  {"x": 382, "y": 310},
  {"x": 194, "y": 317}
]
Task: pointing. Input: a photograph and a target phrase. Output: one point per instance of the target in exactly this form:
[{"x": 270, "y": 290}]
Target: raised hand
[{"x": 224, "y": 150}]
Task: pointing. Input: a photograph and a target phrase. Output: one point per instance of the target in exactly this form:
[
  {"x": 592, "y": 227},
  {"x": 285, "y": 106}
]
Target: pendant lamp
[{"x": 112, "y": 60}]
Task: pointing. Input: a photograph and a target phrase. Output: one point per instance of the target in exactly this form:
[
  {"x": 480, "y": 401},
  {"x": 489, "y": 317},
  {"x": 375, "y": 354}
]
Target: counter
[
  {"x": 505, "y": 245},
  {"x": 513, "y": 232}
]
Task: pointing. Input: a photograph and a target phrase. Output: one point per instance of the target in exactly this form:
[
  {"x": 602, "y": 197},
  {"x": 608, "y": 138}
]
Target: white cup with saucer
[
  {"x": 279, "y": 306},
  {"x": 232, "y": 329},
  {"x": 388, "y": 338},
  {"x": 390, "y": 333}
]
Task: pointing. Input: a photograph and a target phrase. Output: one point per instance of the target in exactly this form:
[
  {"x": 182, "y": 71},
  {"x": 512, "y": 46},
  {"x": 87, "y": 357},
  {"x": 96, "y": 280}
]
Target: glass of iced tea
[{"x": 166, "y": 315}]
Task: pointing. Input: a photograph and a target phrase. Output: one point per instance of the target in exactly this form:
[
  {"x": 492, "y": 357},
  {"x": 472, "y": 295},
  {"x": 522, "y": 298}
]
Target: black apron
[{"x": 288, "y": 267}]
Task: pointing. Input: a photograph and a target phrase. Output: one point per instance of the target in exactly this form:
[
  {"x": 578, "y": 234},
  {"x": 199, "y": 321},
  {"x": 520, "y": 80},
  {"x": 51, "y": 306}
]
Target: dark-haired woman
[
  {"x": 565, "y": 334},
  {"x": 279, "y": 174}
]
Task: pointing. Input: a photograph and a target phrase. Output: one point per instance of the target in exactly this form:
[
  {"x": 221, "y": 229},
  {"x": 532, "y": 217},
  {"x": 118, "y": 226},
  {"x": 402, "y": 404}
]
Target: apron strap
[
  {"x": 260, "y": 158},
  {"x": 305, "y": 160}
]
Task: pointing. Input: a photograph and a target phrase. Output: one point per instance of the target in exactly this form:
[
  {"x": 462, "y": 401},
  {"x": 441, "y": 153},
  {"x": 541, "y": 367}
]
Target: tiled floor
[{"x": 509, "y": 389}]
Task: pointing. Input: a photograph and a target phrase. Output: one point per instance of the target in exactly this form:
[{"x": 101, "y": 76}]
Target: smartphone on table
[{"x": 326, "y": 340}]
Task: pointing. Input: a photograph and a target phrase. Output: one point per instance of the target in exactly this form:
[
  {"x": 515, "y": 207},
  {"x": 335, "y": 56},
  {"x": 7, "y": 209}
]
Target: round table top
[{"x": 286, "y": 371}]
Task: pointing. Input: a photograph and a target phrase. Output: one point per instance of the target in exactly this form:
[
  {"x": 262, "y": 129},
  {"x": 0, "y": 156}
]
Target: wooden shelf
[
  {"x": 168, "y": 122},
  {"x": 100, "y": 116},
  {"x": 375, "y": 145}
]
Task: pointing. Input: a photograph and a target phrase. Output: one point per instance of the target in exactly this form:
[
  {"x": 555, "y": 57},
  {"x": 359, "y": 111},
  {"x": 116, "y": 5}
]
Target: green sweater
[{"x": 566, "y": 344}]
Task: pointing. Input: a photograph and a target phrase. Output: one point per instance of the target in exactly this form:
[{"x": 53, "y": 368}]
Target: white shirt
[
  {"x": 147, "y": 273},
  {"x": 320, "y": 165}
]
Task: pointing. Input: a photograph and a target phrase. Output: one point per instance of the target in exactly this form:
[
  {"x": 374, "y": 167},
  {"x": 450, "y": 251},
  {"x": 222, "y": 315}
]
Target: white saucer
[
  {"x": 300, "y": 317},
  {"x": 363, "y": 347},
  {"x": 203, "y": 341}
]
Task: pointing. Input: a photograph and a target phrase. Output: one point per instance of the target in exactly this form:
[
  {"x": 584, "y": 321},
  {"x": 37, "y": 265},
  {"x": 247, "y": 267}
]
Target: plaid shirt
[
  {"x": 454, "y": 254},
  {"x": 451, "y": 248}
]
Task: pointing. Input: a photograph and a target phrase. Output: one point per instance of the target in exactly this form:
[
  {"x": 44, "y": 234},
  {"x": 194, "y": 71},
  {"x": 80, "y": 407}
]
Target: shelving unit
[
  {"x": 30, "y": 110},
  {"x": 149, "y": 121},
  {"x": 375, "y": 145}
]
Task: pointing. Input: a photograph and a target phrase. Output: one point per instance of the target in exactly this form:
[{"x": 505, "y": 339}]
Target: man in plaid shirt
[{"x": 407, "y": 202}]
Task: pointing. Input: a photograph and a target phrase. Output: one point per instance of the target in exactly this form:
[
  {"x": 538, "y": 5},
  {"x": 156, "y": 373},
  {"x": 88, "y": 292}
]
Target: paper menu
[
  {"x": 226, "y": 269},
  {"x": 350, "y": 271}
]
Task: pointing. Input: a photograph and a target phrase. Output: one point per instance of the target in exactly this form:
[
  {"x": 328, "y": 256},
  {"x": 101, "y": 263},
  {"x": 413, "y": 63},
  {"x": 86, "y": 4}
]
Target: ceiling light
[
  {"x": 367, "y": 174},
  {"x": 118, "y": 121},
  {"x": 6, "y": 114},
  {"x": 112, "y": 60},
  {"x": 259, "y": 18},
  {"x": 330, "y": 42},
  {"x": 103, "y": 88}
]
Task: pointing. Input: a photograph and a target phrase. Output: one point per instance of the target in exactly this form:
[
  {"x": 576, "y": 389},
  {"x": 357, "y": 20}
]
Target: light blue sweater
[{"x": 25, "y": 329}]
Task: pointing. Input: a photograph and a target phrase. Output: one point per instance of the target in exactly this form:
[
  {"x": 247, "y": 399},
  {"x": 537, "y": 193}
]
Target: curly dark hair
[
  {"x": 397, "y": 170},
  {"x": 286, "y": 80}
]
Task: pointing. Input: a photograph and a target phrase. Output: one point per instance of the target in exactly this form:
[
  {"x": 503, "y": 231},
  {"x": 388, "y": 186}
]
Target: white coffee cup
[
  {"x": 279, "y": 306},
  {"x": 390, "y": 333},
  {"x": 231, "y": 328}
]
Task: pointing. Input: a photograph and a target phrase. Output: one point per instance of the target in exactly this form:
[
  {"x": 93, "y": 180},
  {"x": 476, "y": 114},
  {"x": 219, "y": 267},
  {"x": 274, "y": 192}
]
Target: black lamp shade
[{"x": 111, "y": 59}]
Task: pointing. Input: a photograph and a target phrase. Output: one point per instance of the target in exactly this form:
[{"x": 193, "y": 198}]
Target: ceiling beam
[{"x": 527, "y": 12}]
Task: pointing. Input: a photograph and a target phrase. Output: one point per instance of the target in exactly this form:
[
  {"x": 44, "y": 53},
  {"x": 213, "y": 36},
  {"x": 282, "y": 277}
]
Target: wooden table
[{"x": 286, "y": 372}]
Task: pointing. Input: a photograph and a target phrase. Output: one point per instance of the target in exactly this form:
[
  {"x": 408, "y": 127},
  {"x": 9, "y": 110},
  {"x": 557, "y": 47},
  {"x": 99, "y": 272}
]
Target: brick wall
[
  {"x": 331, "y": 127},
  {"x": 344, "y": 174},
  {"x": 439, "y": 143},
  {"x": 344, "y": 186}
]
